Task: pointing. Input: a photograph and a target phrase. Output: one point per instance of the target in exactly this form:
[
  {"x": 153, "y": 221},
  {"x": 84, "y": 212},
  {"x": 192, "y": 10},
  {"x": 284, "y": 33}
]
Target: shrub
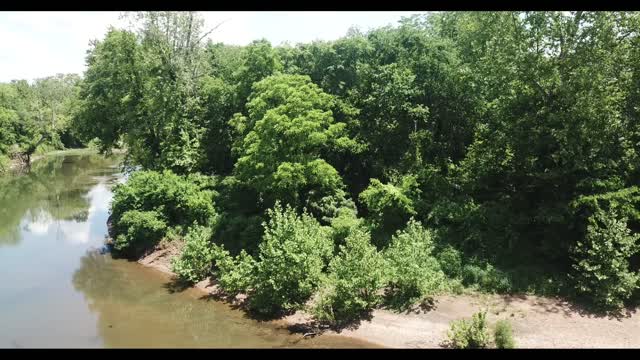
[
  {"x": 138, "y": 231},
  {"x": 355, "y": 276},
  {"x": 414, "y": 272},
  {"x": 450, "y": 261},
  {"x": 601, "y": 262},
  {"x": 469, "y": 334},
  {"x": 486, "y": 278},
  {"x": 239, "y": 232},
  {"x": 292, "y": 255},
  {"x": 322, "y": 308},
  {"x": 235, "y": 274},
  {"x": 344, "y": 223},
  {"x": 195, "y": 262},
  {"x": 326, "y": 206},
  {"x": 181, "y": 200},
  {"x": 390, "y": 206},
  {"x": 503, "y": 335}
]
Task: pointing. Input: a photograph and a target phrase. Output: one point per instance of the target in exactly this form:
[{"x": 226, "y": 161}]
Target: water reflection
[
  {"x": 58, "y": 188},
  {"x": 134, "y": 308}
]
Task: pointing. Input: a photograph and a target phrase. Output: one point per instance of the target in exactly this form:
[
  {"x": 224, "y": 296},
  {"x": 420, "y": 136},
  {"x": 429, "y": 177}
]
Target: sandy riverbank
[{"x": 537, "y": 322}]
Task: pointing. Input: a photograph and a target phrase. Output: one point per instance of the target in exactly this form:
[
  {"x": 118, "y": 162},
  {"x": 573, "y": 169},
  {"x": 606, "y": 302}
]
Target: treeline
[
  {"x": 37, "y": 116},
  {"x": 496, "y": 150}
]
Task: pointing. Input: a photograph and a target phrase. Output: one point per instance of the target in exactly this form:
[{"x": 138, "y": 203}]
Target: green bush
[
  {"x": 450, "y": 261},
  {"x": 138, "y": 231},
  {"x": 469, "y": 334},
  {"x": 486, "y": 278},
  {"x": 292, "y": 255},
  {"x": 235, "y": 274},
  {"x": 414, "y": 273},
  {"x": 181, "y": 200},
  {"x": 390, "y": 206},
  {"x": 355, "y": 276},
  {"x": 344, "y": 223},
  {"x": 503, "y": 335},
  {"x": 601, "y": 262},
  {"x": 198, "y": 254},
  {"x": 239, "y": 232}
]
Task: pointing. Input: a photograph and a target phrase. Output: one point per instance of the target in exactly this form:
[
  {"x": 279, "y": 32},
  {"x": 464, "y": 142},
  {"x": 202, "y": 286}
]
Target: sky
[{"x": 39, "y": 44}]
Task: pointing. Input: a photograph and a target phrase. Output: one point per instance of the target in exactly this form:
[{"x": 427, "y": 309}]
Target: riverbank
[
  {"x": 15, "y": 165},
  {"x": 537, "y": 322}
]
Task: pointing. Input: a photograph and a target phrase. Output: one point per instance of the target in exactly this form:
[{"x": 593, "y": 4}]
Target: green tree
[{"x": 298, "y": 114}]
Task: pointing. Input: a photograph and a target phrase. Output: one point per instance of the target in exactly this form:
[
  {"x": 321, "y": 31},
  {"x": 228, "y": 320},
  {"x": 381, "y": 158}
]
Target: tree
[{"x": 298, "y": 114}]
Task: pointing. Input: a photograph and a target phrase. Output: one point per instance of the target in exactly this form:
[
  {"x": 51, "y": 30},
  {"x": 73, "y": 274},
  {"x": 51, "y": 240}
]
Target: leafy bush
[
  {"x": 292, "y": 255},
  {"x": 469, "y": 334},
  {"x": 195, "y": 262},
  {"x": 503, "y": 335},
  {"x": 235, "y": 274},
  {"x": 344, "y": 223},
  {"x": 181, "y": 200},
  {"x": 450, "y": 261},
  {"x": 389, "y": 205},
  {"x": 486, "y": 277},
  {"x": 239, "y": 232},
  {"x": 138, "y": 231},
  {"x": 355, "y": 276},
  {"x": 414, "y": 273},
  {"x": 601, "y": 262},
  {"x": 327, "y": 205}
]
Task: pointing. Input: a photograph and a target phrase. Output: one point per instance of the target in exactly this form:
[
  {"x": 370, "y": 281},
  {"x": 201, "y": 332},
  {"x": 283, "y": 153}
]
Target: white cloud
[
  {"x": 100, "y": 198},
  {"x": 39, "y": 223}
]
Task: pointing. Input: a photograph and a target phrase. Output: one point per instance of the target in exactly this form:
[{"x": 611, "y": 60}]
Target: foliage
[
  {"x": 292, "y": 255},
  {"x": 486, "y": 277},
  {"x": 294, "y": 110},
  {"x": 602, "y": 268},
  {"x": 162, "y": 197},
  {"x": 137, "y": 231},
  {"x": 197, "y": 256},
  {"x": 390, "y": 206},
  {"x": 38, "y": 114},
  {"x": 235, "y": 274},
  {"x": 503, "y": 335},
  {"x": 450, "y": 261},
  {"x": 355, "y": 276},
  {"x": 469, "y": 334},
  {"x": 181, "y": 200},
  {"x": 344, "y": 223},
  {"x": 414, "y": 271}
]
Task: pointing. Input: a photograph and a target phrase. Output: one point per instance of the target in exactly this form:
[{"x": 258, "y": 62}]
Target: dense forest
[{"x": 485, "y": 151}]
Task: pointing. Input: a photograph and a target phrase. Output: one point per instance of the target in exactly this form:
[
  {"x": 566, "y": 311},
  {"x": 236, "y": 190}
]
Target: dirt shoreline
[{"x": 537, "y": 322}]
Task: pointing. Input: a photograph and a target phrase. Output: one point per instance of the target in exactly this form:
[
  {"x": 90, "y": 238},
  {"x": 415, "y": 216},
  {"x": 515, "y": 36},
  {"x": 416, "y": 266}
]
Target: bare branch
[{"x": 210, "y": 31}]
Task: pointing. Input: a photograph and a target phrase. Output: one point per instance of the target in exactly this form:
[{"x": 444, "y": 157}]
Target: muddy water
[{"x": 59, "y": 289}]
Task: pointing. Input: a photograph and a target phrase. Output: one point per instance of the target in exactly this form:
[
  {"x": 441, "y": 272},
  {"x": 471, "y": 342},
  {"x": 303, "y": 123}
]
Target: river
[{"x": 59, "y": 288}]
